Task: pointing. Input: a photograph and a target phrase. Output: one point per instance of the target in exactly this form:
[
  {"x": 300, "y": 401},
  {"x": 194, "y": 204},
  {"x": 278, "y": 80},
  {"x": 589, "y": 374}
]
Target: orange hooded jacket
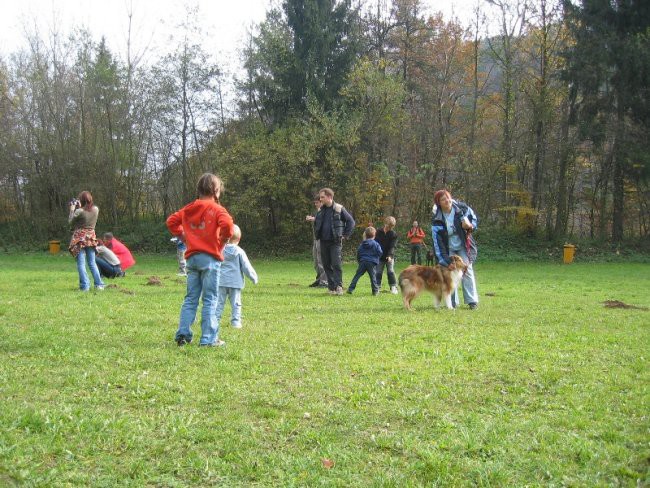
[{"x": 205, "y": 225}]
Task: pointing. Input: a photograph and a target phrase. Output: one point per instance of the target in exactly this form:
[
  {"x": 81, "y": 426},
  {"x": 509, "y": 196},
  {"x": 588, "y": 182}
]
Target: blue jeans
[
  {"x": 470, "y": 294},
  {"x": 235, "y": 304},
  {"x": 88, "y": 254},
  {"x": 390, "y": 271},
  {"x": 365, "y": 267},
  {"x": 202, "y": 279},
  {"x": 106, "y": 269}
]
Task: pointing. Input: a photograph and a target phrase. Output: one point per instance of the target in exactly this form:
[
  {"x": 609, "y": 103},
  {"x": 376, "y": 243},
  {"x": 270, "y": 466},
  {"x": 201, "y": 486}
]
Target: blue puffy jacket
[
  {"x": 369, "y": 252},
  {"x": 441, "y": 237}
]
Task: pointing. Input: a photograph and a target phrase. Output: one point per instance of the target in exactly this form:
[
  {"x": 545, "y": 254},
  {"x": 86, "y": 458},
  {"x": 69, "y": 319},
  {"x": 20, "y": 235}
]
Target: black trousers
[
  {"x": 330, "y": 254},
  {"x": 416, "y": 250},
  {"x": 365, "y": 267}
]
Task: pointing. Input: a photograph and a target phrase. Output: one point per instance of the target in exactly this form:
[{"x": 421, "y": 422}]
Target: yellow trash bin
[
  {"x": 55, "y": 247},
  {"x": 569, "y": 252}
]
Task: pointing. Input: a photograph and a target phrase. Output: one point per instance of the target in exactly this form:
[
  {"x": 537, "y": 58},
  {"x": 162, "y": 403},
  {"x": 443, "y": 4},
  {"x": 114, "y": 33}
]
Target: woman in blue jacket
[{"x": 452, "y": 226}]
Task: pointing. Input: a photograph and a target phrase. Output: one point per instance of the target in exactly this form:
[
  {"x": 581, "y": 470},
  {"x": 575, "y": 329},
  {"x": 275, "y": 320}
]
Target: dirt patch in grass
[
  {"x": 619, "y": 304},
  {"x": 154, "y": 281}
]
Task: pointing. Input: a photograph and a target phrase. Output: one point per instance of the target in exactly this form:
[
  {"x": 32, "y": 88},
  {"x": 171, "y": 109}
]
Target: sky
[{"x": 224, "y": 23}]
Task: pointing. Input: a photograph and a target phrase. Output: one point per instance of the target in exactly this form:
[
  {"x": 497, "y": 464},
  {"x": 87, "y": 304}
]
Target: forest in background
[{"x": 543, "y": 127}]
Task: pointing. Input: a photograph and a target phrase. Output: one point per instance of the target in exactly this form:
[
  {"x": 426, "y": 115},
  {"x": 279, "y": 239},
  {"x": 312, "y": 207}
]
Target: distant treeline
[{"x": 541, "y": 127}]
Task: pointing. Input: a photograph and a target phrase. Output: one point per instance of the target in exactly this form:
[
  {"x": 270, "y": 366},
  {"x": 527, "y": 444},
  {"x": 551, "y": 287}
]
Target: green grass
[{"x": 542, "y": 386}]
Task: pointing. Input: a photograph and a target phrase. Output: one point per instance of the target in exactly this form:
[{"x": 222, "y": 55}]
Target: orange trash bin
[
  {"x": 55, "y": 247},
  {"x": 569, "y": 252}
]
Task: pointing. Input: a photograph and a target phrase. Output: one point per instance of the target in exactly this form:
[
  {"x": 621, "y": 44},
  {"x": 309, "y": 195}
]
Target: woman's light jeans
[
  {"x": 87, "y": 254},
  {"x": 470, "y": 294}
]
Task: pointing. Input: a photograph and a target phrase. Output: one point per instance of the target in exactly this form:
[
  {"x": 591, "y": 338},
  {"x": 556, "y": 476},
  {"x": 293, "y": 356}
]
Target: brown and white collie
[{"x": 439, "y": 280}]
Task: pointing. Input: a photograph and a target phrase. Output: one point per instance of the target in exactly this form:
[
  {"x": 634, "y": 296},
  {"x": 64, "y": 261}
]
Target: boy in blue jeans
[
  {"x": 231, "y": 278},
  {"x": 368, "y": 255}
]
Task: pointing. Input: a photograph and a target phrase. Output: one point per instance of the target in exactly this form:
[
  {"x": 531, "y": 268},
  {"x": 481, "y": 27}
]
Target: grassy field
[{"x": 542, "y": 386}]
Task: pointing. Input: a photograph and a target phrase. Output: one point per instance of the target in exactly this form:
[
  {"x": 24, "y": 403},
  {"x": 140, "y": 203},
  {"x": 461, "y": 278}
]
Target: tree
[
  {"x": 608, "y": 65},
  {"x": 190, "y": 83},
  {"x": 325, "y": 46},
  {"x": 505, "y": 52},
  {"x": 303, "y": 51}
]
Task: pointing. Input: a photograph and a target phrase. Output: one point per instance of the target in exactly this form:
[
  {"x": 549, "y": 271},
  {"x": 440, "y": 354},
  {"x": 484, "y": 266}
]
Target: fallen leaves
[{"x": 327, "y": 463}]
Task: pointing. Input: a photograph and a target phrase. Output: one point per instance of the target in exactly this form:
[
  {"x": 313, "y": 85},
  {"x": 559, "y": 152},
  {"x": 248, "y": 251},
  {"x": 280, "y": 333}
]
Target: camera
[{"x": 74, "y": 202}]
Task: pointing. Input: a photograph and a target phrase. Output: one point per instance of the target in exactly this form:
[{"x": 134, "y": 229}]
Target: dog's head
[{"x": 458, "y": 262}]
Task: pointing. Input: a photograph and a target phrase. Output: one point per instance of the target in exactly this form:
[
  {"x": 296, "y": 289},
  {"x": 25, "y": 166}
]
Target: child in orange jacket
[{"x": 205, "y": 227}]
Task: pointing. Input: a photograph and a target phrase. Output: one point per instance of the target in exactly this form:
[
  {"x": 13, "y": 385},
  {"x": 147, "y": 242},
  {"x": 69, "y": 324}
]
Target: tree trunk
[
  {"x": 562, "y": 204},
  {"x": 618, "y": 189}
]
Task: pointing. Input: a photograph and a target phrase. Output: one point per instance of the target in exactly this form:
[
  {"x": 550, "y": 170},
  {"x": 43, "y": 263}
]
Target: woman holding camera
[{"x": 83, "y": 217}]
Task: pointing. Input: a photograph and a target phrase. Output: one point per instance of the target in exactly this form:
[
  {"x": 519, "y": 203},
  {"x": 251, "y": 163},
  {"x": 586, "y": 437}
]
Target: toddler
[{"x": 231, "y": 279}]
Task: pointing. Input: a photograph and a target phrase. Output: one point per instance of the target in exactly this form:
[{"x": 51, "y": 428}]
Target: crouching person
[{"x": 108, "y": 263}]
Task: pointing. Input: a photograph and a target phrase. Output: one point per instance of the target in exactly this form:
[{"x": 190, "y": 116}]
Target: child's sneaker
[
  {"x": 217, "y": 343},
  {"x": 182, "y": 340},
  {"x": 237, "y": 326},
  {"x": 349, "y": 292},
  {"x": 393, "y": 290},
  {"x": 338, "y": 291}
]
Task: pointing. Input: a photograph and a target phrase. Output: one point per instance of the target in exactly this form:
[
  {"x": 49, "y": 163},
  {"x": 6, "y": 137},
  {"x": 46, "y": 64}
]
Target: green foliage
[
  {"x": 608, "y": 67},
  {"x": 540, "y": 386},
  {"x": 301, "y": 52},
  {"x": 324, "y": 49},
  {"x": 497, "y": 244},
  {"x": 384, "y": 109}
]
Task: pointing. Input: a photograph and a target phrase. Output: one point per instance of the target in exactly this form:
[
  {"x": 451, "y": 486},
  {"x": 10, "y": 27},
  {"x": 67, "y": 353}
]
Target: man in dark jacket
[{"x": 332, "y": 224}]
